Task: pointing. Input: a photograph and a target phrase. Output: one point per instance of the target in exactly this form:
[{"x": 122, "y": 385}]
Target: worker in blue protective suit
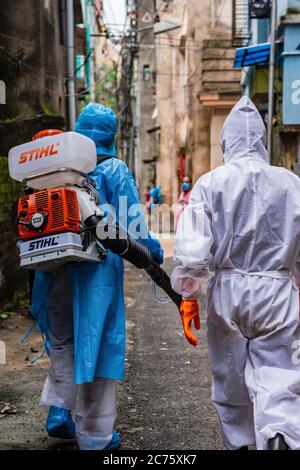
[{"x": 80, "y": 309}]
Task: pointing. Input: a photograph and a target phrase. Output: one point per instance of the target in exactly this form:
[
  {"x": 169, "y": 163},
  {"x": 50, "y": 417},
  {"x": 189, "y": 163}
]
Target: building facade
[
  {"x": 285, "y": 150},
  {"x": 33, "y": 69},
  {"x": 145, "y": 90},
  {"x": 33, "y": 57},
  {"x": 183, "y": 133},
  {"x": 194, "y": 86}
]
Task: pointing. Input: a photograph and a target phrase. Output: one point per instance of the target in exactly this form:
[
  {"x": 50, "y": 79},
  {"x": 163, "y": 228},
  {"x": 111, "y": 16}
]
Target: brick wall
[
  {"x": 11, "y": 277},
  {"x": 12, "y": 133}
]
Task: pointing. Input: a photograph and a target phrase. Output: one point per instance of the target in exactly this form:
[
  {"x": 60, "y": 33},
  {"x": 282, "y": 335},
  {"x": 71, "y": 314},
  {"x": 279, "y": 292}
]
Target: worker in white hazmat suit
[{"x": 243, "y": 223}]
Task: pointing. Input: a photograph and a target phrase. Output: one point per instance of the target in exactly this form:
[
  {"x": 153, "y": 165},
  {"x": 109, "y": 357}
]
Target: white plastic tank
[{"x": 67, "y": 150}]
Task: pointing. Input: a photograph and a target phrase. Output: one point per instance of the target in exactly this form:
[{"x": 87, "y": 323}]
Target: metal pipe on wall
[
  {"x": 271, "y": 77},
  {"x": 71, "y": 64}
]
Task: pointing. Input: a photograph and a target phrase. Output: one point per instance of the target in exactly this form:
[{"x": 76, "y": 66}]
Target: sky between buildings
[{"x": 115, "y": 13}]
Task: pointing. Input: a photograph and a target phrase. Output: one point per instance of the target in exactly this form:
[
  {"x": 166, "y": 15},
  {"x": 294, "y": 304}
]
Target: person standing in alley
[
  {"x": 184, "y": 198},
  {"x": 154, "y": 195},
  {"x": 243, "y": 223}
]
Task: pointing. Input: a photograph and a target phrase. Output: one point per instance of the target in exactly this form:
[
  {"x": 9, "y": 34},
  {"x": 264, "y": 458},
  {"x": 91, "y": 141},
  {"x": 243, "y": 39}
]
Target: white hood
[{"x": 244, "y": 133}]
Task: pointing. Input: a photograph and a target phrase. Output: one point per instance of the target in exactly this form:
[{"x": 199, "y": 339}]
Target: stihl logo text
[
  {"x": 43, "y": 243},
  {"x": 40, "y": 152}
]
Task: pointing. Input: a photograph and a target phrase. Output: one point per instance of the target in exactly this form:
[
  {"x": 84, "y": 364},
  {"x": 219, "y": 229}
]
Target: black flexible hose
[{"x": 134, "y": 252}]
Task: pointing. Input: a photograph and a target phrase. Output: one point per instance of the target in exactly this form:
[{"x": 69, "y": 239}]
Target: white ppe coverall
[{"x": 243, "y": 223}]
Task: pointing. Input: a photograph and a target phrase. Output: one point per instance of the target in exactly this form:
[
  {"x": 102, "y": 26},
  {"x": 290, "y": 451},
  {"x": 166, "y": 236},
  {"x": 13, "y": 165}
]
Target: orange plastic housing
[
  {"x": 46, "y": 133},
  {"x": 61, "y": 207}
]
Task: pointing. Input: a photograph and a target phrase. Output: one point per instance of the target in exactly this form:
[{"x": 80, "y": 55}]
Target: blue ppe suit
[{"x": 98, "y": 299}]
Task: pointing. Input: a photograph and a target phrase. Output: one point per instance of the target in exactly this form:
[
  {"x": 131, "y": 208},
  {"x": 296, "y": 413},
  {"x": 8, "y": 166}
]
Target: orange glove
[{"x": 189, "y": 311}]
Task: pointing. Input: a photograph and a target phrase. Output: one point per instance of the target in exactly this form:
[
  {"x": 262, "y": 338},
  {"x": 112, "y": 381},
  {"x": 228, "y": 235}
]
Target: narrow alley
[{"x": 164, "y": 402}]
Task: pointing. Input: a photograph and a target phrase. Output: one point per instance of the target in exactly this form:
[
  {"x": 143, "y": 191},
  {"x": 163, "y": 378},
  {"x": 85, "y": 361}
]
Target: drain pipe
[
  {"x": 71, "y": 65},
  {"x": 271, "y": 78}
]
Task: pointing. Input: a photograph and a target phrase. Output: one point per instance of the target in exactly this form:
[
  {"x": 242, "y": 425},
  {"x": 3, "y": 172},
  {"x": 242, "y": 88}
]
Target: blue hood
[{"x": 99, "y": 124}]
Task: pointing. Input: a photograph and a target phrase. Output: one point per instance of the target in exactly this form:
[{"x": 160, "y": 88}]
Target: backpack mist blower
[{"x": 56, "y": 221}]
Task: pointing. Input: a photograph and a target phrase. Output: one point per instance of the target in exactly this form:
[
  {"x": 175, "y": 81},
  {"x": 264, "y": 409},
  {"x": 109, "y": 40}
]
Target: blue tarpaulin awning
[{"x": 252, "y": 55}]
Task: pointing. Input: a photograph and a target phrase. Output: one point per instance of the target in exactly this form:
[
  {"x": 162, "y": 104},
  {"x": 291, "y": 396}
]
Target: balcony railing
[{"x": 240, "y": 23}]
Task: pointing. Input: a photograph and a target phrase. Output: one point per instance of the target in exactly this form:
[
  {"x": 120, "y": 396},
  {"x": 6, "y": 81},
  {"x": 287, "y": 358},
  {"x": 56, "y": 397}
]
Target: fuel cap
[{"x": 38, "y": 220}]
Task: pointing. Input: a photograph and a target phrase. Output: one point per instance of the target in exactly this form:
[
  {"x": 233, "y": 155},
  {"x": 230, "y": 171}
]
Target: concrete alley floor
[{"x": 164, "y": 402}]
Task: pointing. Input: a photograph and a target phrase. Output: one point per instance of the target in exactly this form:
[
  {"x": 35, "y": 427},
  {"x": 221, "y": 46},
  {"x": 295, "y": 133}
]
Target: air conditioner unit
[{"x": 260, "y": 9}]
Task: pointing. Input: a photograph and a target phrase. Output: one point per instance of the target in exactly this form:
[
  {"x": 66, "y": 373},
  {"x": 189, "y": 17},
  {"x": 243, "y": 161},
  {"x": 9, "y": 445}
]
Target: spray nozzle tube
[{"x": 134, "y": 252}]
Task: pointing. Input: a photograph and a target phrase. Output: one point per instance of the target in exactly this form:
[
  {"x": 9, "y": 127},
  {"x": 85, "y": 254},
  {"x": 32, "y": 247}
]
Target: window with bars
[{"x": 240, "y": 23}]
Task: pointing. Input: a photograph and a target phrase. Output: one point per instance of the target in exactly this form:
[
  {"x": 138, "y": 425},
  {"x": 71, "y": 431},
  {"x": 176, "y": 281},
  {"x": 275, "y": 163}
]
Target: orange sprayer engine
[
  {"x": 60, "y": 197},
  {"x": 48, "y": 212}
]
